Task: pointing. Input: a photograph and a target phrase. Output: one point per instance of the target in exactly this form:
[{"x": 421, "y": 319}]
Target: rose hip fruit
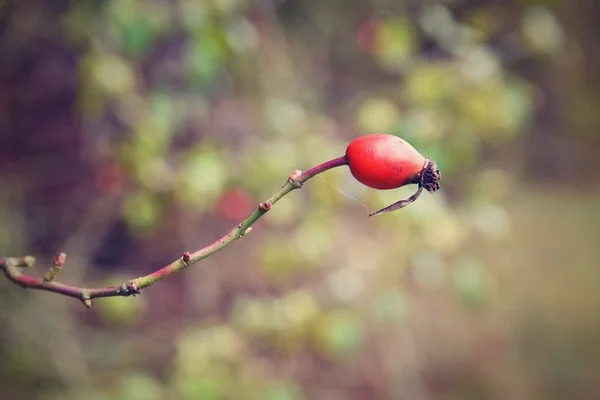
[{"x": 383, "y": 161}]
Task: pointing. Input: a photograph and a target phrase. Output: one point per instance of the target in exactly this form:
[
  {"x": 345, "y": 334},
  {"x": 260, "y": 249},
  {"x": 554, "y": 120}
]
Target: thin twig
[{"x": 12, "y": 266}]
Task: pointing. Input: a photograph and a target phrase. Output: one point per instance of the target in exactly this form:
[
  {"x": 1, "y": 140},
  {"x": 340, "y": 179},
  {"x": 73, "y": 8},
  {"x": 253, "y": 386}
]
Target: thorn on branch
[
  {"x": 244, "y": 233},
  {"x": 55, "y": 269}
]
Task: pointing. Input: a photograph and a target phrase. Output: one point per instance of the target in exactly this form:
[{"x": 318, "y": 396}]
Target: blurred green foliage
[{"x": 203, "y": 108}]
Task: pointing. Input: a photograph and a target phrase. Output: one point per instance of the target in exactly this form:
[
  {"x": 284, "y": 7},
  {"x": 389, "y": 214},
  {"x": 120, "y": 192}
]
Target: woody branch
[{"x": 13, "y": 267}]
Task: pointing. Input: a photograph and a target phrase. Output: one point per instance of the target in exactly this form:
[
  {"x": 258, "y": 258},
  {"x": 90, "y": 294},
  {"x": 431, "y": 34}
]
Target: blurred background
[{"x": 131, "y": 131}]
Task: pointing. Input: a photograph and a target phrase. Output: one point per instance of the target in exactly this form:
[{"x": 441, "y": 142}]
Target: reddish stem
[
  {"x": 336, "y": 162},
  {"x": 12, "y": 267}
]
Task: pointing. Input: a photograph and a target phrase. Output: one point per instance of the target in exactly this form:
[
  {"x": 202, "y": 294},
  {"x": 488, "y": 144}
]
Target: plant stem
[
  {"x": 239, "y": 231},
  {"x": 12, "y": 266}
]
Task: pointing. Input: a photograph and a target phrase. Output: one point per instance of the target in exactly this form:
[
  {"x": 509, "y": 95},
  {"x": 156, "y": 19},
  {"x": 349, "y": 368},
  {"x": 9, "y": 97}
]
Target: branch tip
[
  {"x": 55, "y": 269},
  {"x": 28, "y": 261},
  {"x": 60, "y": 259},
  {"x": 241, "y": 234},
  {"x": 25, "y": 262}
]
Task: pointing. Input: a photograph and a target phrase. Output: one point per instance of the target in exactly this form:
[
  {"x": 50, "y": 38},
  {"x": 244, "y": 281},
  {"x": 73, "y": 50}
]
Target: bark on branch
[{"x": 13, "y": 267}]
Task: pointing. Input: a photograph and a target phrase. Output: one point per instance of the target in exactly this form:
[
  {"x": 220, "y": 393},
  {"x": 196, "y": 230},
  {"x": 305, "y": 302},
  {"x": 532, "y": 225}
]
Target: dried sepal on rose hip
[{"x": 383, "y": 162}]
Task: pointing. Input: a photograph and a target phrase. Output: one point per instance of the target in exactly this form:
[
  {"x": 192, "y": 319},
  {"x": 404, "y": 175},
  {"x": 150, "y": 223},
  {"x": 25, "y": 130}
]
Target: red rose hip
[{"x": 383, "y": 162}]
